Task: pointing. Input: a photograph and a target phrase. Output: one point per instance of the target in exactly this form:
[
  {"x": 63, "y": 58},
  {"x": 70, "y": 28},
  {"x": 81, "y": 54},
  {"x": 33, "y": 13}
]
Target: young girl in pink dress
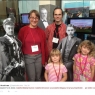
[
  {"x": 84, "y": 62},
  {"x": 55, "y": 71}
]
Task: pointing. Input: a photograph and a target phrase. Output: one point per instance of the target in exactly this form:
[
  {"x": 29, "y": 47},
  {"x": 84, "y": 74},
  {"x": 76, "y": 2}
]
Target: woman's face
[
  {"x": 33, "y": 19},
  {"x": 85, "y": 50},
  {"x": 9, "y": 29}
]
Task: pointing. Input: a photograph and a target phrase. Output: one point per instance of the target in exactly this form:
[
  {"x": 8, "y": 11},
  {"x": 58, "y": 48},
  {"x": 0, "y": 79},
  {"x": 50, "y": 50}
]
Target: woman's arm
[
  {"x": 64, "y": 77},
  {"x": 46, "y": 75}
]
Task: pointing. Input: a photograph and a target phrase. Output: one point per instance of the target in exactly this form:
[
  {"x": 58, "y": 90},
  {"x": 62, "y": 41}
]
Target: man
[
  {"x": 11, "y": 58},
  {"x": 68, "y": 47},
  {"x": 55, "y": 31},
  {"x": 43, "y": 23}
]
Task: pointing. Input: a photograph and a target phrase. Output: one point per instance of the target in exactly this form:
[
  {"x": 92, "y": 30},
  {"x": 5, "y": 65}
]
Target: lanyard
[
  {"x": 57, "y": 75},
  {"x": 56, "y": 34},
  {"x": 84, "y": 64}
]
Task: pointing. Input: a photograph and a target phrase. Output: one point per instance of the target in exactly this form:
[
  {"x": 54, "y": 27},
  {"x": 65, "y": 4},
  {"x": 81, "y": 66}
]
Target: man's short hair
[
  {"x": 71, "y": 25},
  {"x": 58, "y": 8},
  {"x": 43, "y": 9}
]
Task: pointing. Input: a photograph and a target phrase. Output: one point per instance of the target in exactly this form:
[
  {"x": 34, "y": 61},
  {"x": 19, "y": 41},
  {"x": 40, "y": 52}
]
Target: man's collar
[
  {"x": 71, "y": 36},
  {"x": 44, "y": 20},
  {"x": 60, "y": 24}
]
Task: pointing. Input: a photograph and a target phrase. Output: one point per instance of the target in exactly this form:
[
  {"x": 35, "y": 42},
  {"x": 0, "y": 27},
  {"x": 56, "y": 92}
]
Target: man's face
[
  {"x": 9, "y": 29},
  {"x": 58, "y": 15},
  {"x": 44, "y": 14},
  {"x": 70, "y": 31}
]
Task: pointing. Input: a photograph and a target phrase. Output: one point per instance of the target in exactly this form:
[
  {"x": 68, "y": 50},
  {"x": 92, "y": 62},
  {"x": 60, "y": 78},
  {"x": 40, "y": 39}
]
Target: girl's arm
[
  {"x": 64, "y": 77},
  {"x": 46, "y": 75},
  {"x": 74, "y": 66},
  {"x": 92, "y": 71}
]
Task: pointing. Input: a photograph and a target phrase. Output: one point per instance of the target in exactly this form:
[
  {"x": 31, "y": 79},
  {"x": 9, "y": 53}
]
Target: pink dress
[
  {"x": 83, "y": 66},
  {"x": 53, "y": 72}
]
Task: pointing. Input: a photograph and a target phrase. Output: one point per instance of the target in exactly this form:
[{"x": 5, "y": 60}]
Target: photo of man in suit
[
  {"x": 43, "y": 22},
  {"x": 68, "y": 47}
]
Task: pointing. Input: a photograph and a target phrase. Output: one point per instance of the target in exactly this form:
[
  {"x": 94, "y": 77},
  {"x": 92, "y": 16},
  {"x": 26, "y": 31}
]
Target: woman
[
  {"x": 11, "y": 57},
  {"x": 33, "y": 46}
]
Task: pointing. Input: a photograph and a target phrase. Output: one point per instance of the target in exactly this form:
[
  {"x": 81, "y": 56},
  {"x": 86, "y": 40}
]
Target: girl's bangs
[
  {"x": 55, "y": 53},
  {"x": 87, "y": 46}
]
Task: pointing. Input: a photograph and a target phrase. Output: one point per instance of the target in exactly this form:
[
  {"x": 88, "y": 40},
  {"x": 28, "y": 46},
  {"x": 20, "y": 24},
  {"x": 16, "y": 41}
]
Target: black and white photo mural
[{"x": 11, "y": 57}]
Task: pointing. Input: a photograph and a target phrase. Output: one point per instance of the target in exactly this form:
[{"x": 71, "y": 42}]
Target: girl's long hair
[
  {"x": 53, "y": 53},
  {"x": 89, "y": 45}
]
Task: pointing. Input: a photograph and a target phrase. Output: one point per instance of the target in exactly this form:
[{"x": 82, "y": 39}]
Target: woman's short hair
[
  {"x": 8, "y": 21},
  {"x": 36, "y": 13}
]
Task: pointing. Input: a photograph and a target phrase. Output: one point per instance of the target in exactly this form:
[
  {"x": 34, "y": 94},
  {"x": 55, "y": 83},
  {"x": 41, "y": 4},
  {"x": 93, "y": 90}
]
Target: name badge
[
  {"x": 34, "y": 48},
  {"x": 82, "y": 78},
  {"x": 55, "y": 40}
]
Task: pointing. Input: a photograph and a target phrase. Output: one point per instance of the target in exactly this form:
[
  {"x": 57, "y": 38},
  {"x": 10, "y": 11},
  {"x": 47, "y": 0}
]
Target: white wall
[
  {"x": 53, "y": 2},
  {"x": 92, "y": 5},
  {"x": 28, "y": 5},
  {"x": 42, "y": 2}
]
